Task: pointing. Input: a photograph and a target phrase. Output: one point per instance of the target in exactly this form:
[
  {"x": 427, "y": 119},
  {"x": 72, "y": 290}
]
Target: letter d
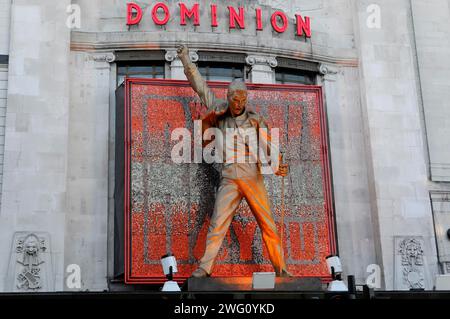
[{"x": 270, "y": 308}]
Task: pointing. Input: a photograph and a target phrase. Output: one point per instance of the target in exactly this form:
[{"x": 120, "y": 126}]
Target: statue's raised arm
[{"x": 196, "y": 80}]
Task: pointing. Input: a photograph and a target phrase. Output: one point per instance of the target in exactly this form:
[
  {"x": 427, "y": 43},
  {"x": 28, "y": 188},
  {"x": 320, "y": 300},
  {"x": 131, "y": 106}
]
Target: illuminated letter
[
  {"x": 214, "y": 15},
  {"x": 235, "y": 17},
  {"x": 259, "y": 25},
  {"x": 184, "y": 11},
  {"x": 155, "y": 13},
  {"x": 275, "y": 26},
  {"x": 130, "y": 19},
  {"x": 303, "y": 25}
]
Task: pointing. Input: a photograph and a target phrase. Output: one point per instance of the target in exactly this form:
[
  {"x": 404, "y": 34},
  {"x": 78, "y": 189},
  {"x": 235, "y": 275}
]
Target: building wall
[
  {"x": 432, "y": 34},
  {"x": 5, "y": 17},
  {"x": 35, "y": 162},
  {"x": 104, "y": 28},
  {"x": 58, "y": 166},
  {"x": 395, "y": 138},
  {"x": 3, "y": 95},
  {"x": 87, "y": 168}
]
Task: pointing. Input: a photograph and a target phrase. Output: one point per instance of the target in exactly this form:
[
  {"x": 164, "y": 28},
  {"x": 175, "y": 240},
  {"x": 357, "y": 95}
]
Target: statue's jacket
[{"x": 219, "y": 116}]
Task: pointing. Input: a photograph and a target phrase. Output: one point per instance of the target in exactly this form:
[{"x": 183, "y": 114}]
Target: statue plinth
[{"x": 287, "y": 284}]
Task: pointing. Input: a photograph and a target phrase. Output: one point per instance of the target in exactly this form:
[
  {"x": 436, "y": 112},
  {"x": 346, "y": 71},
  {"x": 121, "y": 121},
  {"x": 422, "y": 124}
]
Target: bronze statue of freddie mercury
[{"x": 238, "y": 180}]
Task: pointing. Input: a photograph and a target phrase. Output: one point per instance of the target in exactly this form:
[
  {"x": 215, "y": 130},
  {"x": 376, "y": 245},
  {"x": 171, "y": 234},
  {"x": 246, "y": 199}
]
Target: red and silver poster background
[{"x": 168, "y": 205}]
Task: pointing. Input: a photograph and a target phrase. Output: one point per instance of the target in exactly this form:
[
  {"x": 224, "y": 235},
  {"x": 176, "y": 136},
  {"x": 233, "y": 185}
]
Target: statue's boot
[{"x": 200, "y": 273}]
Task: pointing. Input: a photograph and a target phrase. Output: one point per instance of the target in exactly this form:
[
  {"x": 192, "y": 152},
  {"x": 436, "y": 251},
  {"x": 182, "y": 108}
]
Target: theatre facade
[{"x": 92, "y": 91}]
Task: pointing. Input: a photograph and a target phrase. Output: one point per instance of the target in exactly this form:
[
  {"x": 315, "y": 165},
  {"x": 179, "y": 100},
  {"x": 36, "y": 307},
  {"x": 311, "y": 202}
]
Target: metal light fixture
[
  {"x": 169, "y": 264},
  {"x": 335, "y": 269}
]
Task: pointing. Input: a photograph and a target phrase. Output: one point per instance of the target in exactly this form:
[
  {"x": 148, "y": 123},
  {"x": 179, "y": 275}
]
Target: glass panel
[
  {"x": 122, "y": 70},
  {"x": 150, "y": 71},
  {"x": 140, "y": 69},
  {"x": 144, "y": 76},
  {"x": 289, "y": 76},
  {"x": 223, "y": 72},
  {"x": 220, "y": 78}
]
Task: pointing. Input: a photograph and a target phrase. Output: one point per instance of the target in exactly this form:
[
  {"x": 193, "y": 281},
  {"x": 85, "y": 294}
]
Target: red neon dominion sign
[
  {"x": 161, "y": 15},
  {"x": 168, "y": 205}
]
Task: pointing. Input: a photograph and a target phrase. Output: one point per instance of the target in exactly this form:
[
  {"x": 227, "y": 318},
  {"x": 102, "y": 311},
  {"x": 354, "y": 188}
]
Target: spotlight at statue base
[
  {"x": 169, "y": 264},
  {"x": 335, "y": 269}
]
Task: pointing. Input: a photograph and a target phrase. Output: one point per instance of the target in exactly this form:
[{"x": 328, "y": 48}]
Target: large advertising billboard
[{"x": 168, "y": 205}]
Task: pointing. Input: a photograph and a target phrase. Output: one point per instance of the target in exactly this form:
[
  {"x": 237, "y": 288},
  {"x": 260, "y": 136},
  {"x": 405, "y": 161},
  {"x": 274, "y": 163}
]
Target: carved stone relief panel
[
  {"x": 30, "y": 266},
  {"x": 409, "y": 263}
]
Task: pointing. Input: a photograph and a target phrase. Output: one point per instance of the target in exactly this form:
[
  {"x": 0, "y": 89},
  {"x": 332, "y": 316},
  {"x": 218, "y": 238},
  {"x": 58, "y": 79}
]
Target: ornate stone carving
[
  {"x": 30, "y": 248},
  {"x": 410, "y": 272},
  {"x": 171, "y": 55},
  {"x": 104, "y": 57},
  {"x": 326, "y": 69},
  {"x": 328, "y": 72},
  {"x": 258, "y": 60},
  {"x": 30, "y": 263}
]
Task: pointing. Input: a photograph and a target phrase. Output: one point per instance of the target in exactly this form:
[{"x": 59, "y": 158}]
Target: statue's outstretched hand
[{"x": 183, "y": 52}]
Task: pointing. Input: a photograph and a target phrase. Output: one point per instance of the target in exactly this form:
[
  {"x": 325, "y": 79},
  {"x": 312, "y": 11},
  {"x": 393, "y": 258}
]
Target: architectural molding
[
  {"x": 139, "y": 55},
  {"x": 108, "y": 57},
  {"x": 221, "y": 57},
  {"x": 440, "y": 172},
  {"x": 101, "y": 41},
  {"x": 253, "y": 60},
  {"x": 328, "y": 71},
  {"x": 171, "y": 55},
  {"x": 303, "y": 65}
]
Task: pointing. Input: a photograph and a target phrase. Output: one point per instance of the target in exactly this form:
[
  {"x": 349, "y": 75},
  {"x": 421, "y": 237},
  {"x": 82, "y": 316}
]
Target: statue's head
[{"x": 237, "y": 97}]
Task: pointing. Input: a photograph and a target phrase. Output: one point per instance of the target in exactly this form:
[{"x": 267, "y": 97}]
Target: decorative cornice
[
  {"x": 326, "y": 69},
  {"x": 172, "y": 55},
  {"x": 440, "y": 196},
  {"x": 104, "y": 57},
  {"x": 258, "y": 60},
  {"x": 101, "y": 41},
  {"x": 328, "y": 72}
]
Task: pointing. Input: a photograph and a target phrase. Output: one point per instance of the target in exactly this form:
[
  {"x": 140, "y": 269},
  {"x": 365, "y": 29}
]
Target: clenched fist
[{"x": 183, "y": 52}]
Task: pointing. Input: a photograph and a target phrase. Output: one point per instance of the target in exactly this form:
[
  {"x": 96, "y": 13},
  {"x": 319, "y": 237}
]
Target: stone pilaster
[
  {"x": 176, "y": 67},
  {"x": 262, "y": 68}
]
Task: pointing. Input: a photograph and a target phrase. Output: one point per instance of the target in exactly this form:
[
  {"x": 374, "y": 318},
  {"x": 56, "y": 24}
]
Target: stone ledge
[{"x": 245, "y": 284}]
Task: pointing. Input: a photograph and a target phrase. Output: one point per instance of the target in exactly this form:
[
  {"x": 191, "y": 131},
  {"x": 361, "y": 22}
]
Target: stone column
[
  {"x": 37, "y": 121},
  {"x": 396, "y": 155},
  {"x": 352, "y": 203},
  {"x": 441, "y": 213},
  {"x": 262, "y": 68},
  {"x": 86, "y": 231},
  {"x": 176, "y": 67},
  {"x": 432, "y": 30},
  {"x": 5, "y": 17}
]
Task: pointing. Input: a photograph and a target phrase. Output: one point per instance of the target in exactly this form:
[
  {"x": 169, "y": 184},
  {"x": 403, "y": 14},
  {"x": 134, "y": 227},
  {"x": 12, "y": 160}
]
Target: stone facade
[
  {"x": 5, "y": 18},
  {"x": 383, "y": 86}
]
